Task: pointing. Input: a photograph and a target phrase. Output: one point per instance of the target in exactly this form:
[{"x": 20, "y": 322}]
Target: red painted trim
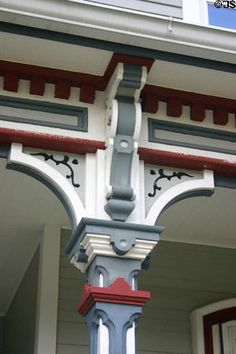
[
  {"x": 174, "y": 98},
  {"x": 193, "y": 162},
  {"x": 11, "y": 82},
  {"x": 50, "y": 142},
  {"x": 174, "y": 107},
  {"x": 220, "y": 116},
  {"x": 62, "y": 89},
  {"x": 87, "y": 94},
  {"x": 197, "y": 112},
  {"x": 150, "y": 103},
  {"x": 118, "y": 292},
  {"x": 62, "y": 79},
  {"x": 37, "y": 86},
  {"x": 210, "y": 320},
  {"x": 83, "y": 146},
  {"x": 88, "y": 84},
  {"x": 126, "y": 59}
]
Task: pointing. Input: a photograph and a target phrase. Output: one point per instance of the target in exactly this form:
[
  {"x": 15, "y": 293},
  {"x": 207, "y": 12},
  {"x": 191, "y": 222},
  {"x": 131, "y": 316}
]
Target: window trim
[{"x": 198, "y": 323}]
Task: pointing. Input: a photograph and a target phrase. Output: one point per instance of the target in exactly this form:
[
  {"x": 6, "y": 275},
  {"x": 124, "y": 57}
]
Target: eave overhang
[{"x": 126, "y": 27}]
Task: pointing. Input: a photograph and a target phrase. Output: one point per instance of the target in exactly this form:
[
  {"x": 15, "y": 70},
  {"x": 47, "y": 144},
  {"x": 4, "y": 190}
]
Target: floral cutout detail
[
  {"x": 65, "y": 161},
  {"x": 163, "y": 175}
]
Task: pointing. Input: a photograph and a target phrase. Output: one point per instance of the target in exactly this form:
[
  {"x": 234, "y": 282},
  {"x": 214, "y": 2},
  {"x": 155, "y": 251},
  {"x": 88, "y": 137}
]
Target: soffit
[
  {"x": 77, "y": 58},
  {"x": 52, "y": 54}
]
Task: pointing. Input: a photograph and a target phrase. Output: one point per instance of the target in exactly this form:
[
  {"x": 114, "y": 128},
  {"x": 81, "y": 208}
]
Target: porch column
[{"x": 112, "y": 253}]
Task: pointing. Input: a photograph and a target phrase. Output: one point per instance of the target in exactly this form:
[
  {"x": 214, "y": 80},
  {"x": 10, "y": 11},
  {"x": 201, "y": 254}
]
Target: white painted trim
[
  {"x": 130, "y": 340},
  {"x": 103, "y": 338},
  {"x": 205, "y": 183},
  {"x": 46, "y": 327},
  {"x": 100, "y": 185},
  {"x": 50, "y": 174},
  {"x": 90, "y": 185},
  {"x": 101, "y": 245},
  {"x": 195, "y": 11},
  {"x": 227, "y": 336},
  {"x": 197, "y": 322}
]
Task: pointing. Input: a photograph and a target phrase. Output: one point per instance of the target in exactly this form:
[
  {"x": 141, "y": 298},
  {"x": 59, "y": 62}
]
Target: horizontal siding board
[
  {"x": 72, "y": 333},
  {"x": 72, "y": 349},
  {"x": 176, "y": 3},
  {"x": 169, "y": 8}
]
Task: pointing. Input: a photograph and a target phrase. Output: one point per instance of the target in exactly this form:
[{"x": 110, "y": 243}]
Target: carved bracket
[{"x": 123, "y": 129}]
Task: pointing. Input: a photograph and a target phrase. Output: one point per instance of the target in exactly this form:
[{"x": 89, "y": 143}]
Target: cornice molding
[
  {"x": 63, "y": 79},
  {"x": 89, "y": 84}
]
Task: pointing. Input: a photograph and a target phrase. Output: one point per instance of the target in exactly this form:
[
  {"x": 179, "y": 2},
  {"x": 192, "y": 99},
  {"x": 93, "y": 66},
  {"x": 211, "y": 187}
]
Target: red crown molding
[
  {"x": 213, "y": 318},
  {"x": 63, "y": 79},
  {"x": 118, "y": 292},
  {"x": 89, "y": 84},
  {"x": 175, "y": 99}
]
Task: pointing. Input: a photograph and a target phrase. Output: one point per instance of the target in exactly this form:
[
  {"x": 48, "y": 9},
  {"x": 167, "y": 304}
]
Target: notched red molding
[
  {"x": 63, "y": 79},
  {"x": 11, "y": 82},
  {"x": 62, "y": 89},
  {"x": 150, "y": 96},
  {"x": 118, "y": 292}
]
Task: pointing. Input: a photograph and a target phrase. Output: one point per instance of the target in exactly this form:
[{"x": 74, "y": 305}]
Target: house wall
[
  {"x": 172, "y": 8},
  {"x": 19, "y": 325},
  {"x": 182, "y": 277}
]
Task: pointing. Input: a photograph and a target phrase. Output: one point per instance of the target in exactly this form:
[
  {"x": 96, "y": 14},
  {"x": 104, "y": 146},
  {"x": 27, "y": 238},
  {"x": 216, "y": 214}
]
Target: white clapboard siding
[{"x": 182, "y": 277}]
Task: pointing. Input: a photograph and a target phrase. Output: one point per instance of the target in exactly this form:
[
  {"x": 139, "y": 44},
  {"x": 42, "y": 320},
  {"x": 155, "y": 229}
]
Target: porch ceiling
[{"x": 26, "y": 205}]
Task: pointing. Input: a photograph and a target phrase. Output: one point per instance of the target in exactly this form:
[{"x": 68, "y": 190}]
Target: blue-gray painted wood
[
  {"x": 118, "y": 231},
  {"x": 20, "y": 320},
  {"x": 225, "y": 181},
  {"x": 117, "y": 318},
  {"x": 182, "y": 277},
  {"x": 80, "y": 113},
  {"x": 117, "y": 47},
  {"x": 120, "y": 203},
  {"x": 170, "y": 8},
  {"x": 191, "y": 136}
]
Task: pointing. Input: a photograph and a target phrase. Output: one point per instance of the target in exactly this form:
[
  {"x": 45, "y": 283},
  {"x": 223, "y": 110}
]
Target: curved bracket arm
[
  {"x": 19, "y": 161},
  {"x": 203, "y": 186}
]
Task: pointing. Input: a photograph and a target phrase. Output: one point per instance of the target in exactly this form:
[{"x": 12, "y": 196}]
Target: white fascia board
[{"x": 122, "y": 26}]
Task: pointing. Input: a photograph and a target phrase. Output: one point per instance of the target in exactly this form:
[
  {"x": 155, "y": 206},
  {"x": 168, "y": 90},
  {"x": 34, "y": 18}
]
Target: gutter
[{"x": 123, "y": 26}]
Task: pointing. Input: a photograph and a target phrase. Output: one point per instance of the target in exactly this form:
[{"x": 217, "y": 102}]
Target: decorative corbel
[{"x": 123, "y": 129}]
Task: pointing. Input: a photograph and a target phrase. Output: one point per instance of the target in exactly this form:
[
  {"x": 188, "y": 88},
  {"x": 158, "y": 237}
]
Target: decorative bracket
[
  {"x": 185, "y": 184},
  {"x": 123, "y": 129},
  {"x": 40, "y": 170}
]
